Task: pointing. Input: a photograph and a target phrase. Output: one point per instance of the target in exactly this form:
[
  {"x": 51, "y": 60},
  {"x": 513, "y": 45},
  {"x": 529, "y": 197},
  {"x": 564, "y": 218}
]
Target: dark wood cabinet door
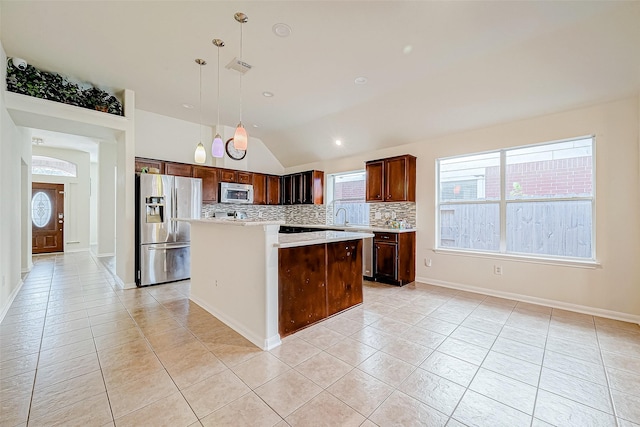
[
  {"x": 228, "y": 175},
  {"x": 400, "y": 179},
  {"x": 374, "y": 180},
  {"x": 209, "y": 178},
  {"x": 385, "y": 259},
  {"x": 287, "y": 190},
  {"x": 149, "y": 163},
  {"x": 244, "y": 177},
  {"x": 178, "y": 169},
  {"x": 302, "y": 293},
  {"x": 259, "y": 189},
  {"x": 298, "y": 190},
  {"x": 273, "y": 190},
  {"x": 311, "y": 186},
  {"x": 395, "y": 179},
  {"x": 344, "y": 275}
]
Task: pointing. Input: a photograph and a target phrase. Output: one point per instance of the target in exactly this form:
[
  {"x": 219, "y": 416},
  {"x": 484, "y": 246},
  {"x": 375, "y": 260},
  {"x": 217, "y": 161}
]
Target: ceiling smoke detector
[{"x": 238, "y": 65}]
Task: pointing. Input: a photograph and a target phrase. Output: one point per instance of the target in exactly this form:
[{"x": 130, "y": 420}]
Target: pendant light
[
  {"x": 240, "y": 137},
  {"x": 217, "y": 146},
  {"x": 200, "y": 155}
]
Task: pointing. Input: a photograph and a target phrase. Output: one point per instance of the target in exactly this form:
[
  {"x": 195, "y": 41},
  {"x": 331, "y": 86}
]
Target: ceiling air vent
[{"x": 238, "y": 65}]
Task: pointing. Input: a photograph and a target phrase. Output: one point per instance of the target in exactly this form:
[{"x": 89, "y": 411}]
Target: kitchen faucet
[{"x": 346, "y": 221}]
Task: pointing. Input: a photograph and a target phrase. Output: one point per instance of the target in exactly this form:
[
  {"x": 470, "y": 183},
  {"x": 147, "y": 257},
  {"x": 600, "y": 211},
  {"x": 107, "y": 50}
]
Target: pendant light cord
[
  {"x": 200, "y": 102},
  {"x": 241, "y": 59},
  {"x": 218, "y": 123}
]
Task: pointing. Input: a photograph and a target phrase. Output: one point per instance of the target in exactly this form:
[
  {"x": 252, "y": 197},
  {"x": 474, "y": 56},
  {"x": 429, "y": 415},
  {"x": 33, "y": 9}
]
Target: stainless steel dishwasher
[{"x": 367, "y": 258}]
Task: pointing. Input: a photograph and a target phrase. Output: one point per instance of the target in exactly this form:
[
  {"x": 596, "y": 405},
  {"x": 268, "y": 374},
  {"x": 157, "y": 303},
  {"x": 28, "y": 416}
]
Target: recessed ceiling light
[
  {"x": 338, "y": 142},
  {"x": 407, "y": 49},
  {"x": 267, "y": 94},
  {"x": 37, "y": 141},
  {"x": 281, "y": 30},
  {"x": 361, "y": 80},
  {"x": 188, "y": 106}
]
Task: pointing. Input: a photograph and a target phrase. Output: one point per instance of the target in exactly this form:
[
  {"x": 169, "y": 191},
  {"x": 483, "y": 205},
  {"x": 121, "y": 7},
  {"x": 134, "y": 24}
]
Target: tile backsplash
[
  {"x": 314, "y": 214},
  {"x": 388, "y": 211},
  {"x": 257, "y": 212}
]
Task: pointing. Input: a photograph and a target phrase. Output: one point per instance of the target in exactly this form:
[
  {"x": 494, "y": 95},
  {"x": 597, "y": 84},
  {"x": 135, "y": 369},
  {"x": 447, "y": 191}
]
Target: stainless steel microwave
[{"x": 236, "y": 193}]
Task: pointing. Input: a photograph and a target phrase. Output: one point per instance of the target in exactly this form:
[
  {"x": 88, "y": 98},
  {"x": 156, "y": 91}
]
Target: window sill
[{"x": 590, "y": 264}]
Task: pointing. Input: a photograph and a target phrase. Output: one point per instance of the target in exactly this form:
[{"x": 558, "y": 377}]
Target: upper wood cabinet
[
  {"x": 259, "y": 189},
  {"x": 236, "y": 176},
  {"x": 149, "y": 163},
  {"x": 273, "y": 190},
  {"x": 375, "y": 182},
  {"x": 209, "y": 178},
  {"x": 178, "y": 169},
  {"x": 228, "y": 175},
  {"x": 392, "y": 179},
  {"x": 303, "y": 188}
]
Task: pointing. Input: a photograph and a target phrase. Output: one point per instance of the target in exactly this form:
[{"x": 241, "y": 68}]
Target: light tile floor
[{"x": 76, "y": 350}]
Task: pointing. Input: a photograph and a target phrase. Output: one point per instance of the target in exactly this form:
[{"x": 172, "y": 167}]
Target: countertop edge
[
  {"x": 343, "y": 236},
  {"x": 355, "y": 228}
]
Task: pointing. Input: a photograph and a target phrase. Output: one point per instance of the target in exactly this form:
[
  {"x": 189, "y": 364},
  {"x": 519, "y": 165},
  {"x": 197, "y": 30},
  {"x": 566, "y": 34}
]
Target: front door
[{"x": 47, "y": 217}]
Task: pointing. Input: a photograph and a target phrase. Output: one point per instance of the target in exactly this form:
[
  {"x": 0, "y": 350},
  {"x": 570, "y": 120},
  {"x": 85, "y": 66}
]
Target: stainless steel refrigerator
[{"x": 163, "y": 245}]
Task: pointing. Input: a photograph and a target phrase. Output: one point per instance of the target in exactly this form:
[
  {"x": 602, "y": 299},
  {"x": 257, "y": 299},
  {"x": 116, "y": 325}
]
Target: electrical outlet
[
  {"x": 378, "y": 215},
  {"x": 393, "y": 214},
  {"x": 317, "y": 215},
  {"x": 259, "y": 214},
  {"x": 497, "y": 269},
  {"x": 427, "y": 262}
]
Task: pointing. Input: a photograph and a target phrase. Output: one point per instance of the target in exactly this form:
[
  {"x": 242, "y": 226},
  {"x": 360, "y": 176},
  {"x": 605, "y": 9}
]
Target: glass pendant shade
[
  {"x": 240, "y": 138},
  {"x": 217, "y": 146},
  {"x": 200, "y": 155}
]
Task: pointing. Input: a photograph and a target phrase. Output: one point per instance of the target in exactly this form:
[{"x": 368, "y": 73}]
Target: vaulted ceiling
[{"x": 431, "y": 68}]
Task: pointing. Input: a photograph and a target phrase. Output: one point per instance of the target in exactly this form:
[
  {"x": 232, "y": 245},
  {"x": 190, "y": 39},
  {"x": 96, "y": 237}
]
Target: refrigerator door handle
[
  {"x": 166, "y": 247},
  {"x": 174, "y": 226}
]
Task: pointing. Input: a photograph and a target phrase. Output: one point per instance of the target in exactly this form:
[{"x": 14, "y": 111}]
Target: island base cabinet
[
  {"x": 317, "y": 281},
  {"x": 302, "y": 292},
  {"x": 344, "y": 275}
]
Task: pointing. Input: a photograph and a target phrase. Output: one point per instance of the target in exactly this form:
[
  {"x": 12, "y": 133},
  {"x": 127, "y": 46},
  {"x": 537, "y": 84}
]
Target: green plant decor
[{"x": 54, "y": 87}]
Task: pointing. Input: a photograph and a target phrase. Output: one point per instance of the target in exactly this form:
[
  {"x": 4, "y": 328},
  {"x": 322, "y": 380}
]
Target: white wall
[
  {"x": 165, "y": 138},
  {"x": 11, "y": 149},
  {"x": 76, "y": 197},
  {"x": 106, "y": 187},
  {"x": 613, "y": 286},
  {"x": 93, "y": 205}
]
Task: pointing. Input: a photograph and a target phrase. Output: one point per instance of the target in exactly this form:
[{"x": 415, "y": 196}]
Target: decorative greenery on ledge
[{"x": 54, "y": 87}]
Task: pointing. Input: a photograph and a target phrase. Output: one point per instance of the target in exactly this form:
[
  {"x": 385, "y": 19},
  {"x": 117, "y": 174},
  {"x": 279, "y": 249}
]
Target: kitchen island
[{"x": 238, "y": 267}]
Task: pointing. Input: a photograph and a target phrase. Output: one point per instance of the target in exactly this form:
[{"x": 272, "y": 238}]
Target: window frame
[
  {"x": 333, "y": 200},
  {"x": 503, "y": 201}
]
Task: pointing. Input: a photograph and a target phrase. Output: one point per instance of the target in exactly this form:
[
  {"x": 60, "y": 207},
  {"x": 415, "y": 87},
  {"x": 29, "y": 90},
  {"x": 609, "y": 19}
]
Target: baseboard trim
[
  {"x": 264, "y": 344},
  {"x": 105, "y": 255},
  {"x": 12, "y": 297},
  {"x": 593, "y": 311}
]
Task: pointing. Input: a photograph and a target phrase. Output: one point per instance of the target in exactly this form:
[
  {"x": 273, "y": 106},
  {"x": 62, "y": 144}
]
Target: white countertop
[
  {"x": 317, "y": 237},
  {"x": 355, "y": 228},
  {"x": 230, "y": 221}
]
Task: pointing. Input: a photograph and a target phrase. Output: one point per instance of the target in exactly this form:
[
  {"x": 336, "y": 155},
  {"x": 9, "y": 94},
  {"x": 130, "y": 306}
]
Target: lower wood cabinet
[
  {"x": 302, "y": 293},
  {"x": 394, "y": 257},
  {"x": 317, "y": 281},
  {"x": 344, "y": 275}
]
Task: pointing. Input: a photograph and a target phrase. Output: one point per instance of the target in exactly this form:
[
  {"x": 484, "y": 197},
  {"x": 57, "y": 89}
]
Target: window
[
  {"x": 41, "y": 165},
  {"x": 40, "y": 209},
  {"x": 535, "y": 200},
  {"x": 348, "y": 193}
]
